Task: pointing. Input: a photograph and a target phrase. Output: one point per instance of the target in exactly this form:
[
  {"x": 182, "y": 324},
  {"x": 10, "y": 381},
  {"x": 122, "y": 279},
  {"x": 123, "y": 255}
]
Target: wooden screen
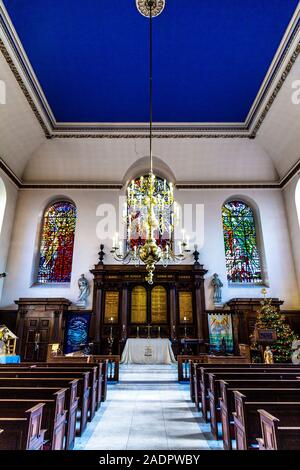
[
  {"x": 185, "y": 307},
  {"x": 111, "y": 311},
  {"x": 139, "y": 305},
  {"x": 159, "y": 305}
]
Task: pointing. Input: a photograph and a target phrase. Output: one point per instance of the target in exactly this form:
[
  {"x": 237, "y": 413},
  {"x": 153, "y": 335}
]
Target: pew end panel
[
  {"x": 24, "y": 433},
  {"x": 269, "y": 426}
]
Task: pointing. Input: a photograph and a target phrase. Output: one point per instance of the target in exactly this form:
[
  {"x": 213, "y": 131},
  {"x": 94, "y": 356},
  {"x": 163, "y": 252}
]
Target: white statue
[
  {"x": 217, "y": 286},
  {"x": 296, "y": 352},
  {"x": 84, "y": 292}
]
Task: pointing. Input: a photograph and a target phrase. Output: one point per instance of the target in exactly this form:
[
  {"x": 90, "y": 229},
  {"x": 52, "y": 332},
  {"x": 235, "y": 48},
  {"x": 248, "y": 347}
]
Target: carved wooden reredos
[{"x": 178, "y": 290}]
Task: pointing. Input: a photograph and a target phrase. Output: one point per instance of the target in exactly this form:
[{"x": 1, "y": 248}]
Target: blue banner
[{"x": 77, "y": 331}]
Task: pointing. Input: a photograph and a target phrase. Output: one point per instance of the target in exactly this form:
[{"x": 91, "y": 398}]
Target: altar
[{"x": 148, "y": 351}]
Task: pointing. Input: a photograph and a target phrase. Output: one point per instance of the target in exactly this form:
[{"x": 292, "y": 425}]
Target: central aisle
[{"x": 147, "y": 410}]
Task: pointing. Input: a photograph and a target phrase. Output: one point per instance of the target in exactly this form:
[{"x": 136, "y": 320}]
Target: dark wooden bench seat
[
  {"x": 195, "y": 364},
  {"x": 201, "y": 381},
  {"x": 100, "y": 379},
  {"x": 247, "y": 374},
  {"x": 197, "y": 369},
  {"x": 75, "y": 386},
  {"x": 23, "y": 432},
  {"x": 43, "y": 393},
  {"x": 214, "y": 389},
  {"x": 102, "y": 372},
  {"x": 246, "y": 416},
  {"x": 226, "y": 401},
  {"x": 53, "y": 419},
  {"x": 84, "y": 376},
  {"x": 279, "y": 433}
]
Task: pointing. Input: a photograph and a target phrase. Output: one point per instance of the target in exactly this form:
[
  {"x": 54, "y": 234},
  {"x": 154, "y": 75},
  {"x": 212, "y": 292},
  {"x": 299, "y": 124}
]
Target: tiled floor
[{"x": 147, "y": 410}]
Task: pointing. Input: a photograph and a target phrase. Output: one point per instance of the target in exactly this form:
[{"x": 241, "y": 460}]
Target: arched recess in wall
[
  {"x": 3, "y": 198},
  {"x": 243, "y": 243},
  {"x": 56, "y": 245},
  {"x": 141, "y": 167},
  {"x": 297, "y": 200}
]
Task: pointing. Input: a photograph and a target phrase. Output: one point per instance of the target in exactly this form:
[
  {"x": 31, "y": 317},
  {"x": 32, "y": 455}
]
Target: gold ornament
[{"x": 268, "y": 356}]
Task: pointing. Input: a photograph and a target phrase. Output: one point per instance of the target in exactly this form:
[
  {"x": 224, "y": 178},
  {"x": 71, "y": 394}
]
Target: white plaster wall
[
  {"x": 24, "y": 243},
  {"x": 7, "y": 224},
  {"x": 294, "y": 228},
  {"x": 108, "y": 160}
]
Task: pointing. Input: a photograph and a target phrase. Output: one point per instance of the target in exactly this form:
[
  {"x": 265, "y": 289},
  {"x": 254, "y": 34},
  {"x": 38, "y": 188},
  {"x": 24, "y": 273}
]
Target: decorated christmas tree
[{"x": 270, "y": 318}]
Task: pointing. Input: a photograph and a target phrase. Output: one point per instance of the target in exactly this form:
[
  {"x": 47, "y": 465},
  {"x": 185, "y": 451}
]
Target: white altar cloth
[{"x": 148, "y": 351}]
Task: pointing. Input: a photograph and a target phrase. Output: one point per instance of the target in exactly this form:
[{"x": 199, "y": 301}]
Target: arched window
[
  {"x": 57, "y": 243},
  {"x": 2, "y": 202},
  {"x": 137, "y": 215},
  {"x": 297, "y": 199},
  {"x": 243, "y": 262}
]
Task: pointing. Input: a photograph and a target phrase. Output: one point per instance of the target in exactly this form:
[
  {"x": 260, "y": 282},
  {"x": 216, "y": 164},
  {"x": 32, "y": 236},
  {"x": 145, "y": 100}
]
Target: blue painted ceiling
[{"x": 91, "y": 56}]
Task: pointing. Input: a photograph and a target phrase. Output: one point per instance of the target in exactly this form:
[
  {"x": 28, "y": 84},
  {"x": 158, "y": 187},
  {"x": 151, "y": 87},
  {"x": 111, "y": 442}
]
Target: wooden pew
[
  {"x": 76, "y": 389},
  {"x": 103, "y": 365},
  {"x": 246, "y": 417},
  {"x": 280, "y": 434},
  {"x": 98, "y": 381},
  {"x": 44, "y": 393},
  {"x": 23, "y": 432},
  {"x": 233, "y": 373},
  {"x": 199, "y": 372},
  {"x": 214, "y": 391},
  {"x": 78, "y": 366},
  {"x": 53, "y": 419},
  {"x": 227, "y": 401},
  {"x": 83, "y": 383},
  {"x": 89, "y": 377},
  {"x": 92, "y": 380}
]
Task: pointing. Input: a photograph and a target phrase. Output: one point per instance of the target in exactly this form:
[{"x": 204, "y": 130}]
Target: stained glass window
[
  {"x": 241, "y": 251},
  {"x": 57, "y": 242},
  {"x": 137, "y": 216}
]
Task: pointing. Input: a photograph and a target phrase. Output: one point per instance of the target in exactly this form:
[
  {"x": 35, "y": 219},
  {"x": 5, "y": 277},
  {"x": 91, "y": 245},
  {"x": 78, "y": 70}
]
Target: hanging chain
[{"x": 150, "y": 3}]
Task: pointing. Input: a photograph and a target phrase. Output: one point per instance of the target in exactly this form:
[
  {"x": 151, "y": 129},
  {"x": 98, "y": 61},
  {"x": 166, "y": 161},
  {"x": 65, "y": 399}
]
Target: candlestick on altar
[
  {"x": 149, "y": 328},
  {"x": 185, "y": 320},
  {"x": 159, "y": 331},
  {"x": 111, "y": 328},
  {"x": 137, "y": 331}
]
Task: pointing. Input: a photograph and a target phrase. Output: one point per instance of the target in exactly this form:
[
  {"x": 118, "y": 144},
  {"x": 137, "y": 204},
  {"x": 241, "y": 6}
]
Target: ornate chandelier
[{"x": 150, "y": 212}]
